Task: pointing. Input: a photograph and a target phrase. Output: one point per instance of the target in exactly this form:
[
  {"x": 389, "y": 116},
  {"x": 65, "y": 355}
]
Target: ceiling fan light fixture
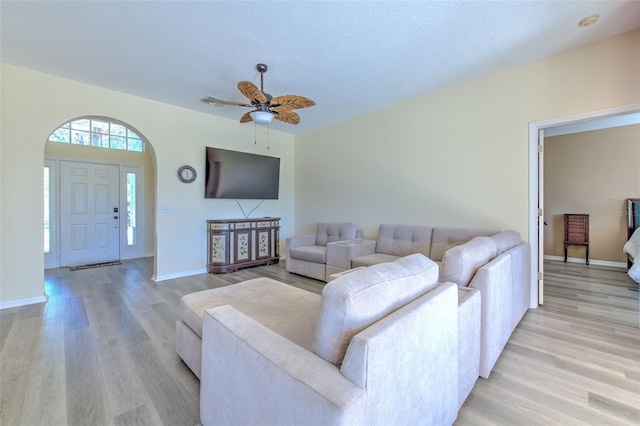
[
  {"x": 589, "y": 20},
  {"x": 262, "y": 117}
]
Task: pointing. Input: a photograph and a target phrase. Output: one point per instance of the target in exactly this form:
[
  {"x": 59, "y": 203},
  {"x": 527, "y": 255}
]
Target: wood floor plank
[
  {"x": 86, "y": 403},
  {"x": 569, "y": 391},
  {"x": 15, "y": 365},
  {"x": 143, "y": 415},
  {"x": 45, "y": 398},
  {"x": 7, "y": 316},
  {"x": 122, "y": 384},
  {"x": 171, "y": 401}
]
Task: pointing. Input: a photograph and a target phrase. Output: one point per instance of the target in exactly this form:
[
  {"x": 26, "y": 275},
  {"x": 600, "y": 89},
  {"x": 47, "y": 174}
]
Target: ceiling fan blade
[
  {"x": 291, "y": 102},
  {"x": 210, "y": 100},
  {"x": 251, "y": 92},
  {"x": 287, "y": 116},
  {"x": 246, "y": 117}
]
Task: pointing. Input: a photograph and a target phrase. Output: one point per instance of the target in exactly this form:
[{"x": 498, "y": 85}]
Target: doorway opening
[
  {"x": 537, "y": 132},
  {"x": 97, "y": 201}
]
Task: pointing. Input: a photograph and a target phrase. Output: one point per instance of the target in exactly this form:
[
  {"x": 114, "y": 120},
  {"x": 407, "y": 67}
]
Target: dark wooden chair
[{"x": 576, "y": 232}]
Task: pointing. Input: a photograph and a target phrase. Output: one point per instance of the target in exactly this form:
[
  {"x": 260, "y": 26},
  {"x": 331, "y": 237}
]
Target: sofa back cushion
[
  {"x": 330, "y": 232},
  {"x": 506, "y": 239},
  {"x": 445, "y": 238},
  {"x": 403, "y": 240},
  {"x": 358, "y": 299},
  {"x": 460, "y": 263}
]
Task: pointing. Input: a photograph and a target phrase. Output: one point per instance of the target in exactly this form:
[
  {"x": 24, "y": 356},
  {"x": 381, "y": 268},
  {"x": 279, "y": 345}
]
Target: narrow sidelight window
[{"x": 131, "y": 209}]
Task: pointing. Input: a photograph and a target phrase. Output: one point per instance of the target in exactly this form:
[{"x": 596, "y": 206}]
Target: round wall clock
[{"x": 187, "y": 174}]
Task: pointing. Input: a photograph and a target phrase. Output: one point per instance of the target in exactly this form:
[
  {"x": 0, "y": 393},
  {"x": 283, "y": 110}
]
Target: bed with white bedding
[
  {"x": 632, "y": 249},
  {"x": 632, "y": 246}
]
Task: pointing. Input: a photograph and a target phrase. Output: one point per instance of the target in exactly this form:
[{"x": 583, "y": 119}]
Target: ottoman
[{"x": 287, "y": 310}]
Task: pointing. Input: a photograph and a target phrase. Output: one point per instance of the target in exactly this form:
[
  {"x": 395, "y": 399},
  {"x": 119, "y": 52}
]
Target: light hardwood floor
[{"x": 102, "y": 351}]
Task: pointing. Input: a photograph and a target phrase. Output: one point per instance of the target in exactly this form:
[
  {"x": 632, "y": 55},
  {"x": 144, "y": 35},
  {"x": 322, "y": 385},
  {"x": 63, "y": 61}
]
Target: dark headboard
[{"x": 633, "y": 214}]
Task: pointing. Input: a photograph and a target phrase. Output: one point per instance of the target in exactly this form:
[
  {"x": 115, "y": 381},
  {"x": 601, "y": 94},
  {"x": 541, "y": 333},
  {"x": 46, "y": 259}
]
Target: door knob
[{"x": 115, "y": 217}]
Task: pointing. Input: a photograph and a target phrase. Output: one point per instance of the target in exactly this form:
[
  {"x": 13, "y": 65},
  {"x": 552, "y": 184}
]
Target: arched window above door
[{"x": 100, "y": 132}]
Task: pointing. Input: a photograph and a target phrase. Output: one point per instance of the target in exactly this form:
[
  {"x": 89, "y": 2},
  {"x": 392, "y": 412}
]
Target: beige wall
[
  {"x": 116, "y": 156},
  {"x": 34, "y": 104},
  {"x": 591, "y": 172},
  {"x": 460, "y": 156}
]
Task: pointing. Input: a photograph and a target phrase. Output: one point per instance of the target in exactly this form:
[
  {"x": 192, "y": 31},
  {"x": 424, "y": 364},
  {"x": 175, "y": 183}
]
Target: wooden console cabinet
[{"x": 240, "y": 243}]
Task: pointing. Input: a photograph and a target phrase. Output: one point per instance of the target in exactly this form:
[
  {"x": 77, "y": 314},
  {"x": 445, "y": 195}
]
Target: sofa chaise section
[{"x": 262, "y": 299}]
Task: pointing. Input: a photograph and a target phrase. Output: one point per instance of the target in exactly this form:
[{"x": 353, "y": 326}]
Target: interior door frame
[{"x": 536, "y": 189}]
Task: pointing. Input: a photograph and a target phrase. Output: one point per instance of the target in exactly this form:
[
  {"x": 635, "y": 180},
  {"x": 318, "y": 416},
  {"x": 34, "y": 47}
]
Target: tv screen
[{"x": 240, "y": 175}]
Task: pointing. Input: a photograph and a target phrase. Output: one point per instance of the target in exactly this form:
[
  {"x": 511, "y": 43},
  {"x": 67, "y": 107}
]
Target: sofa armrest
[
  {"x": 340, "y": 253},
  {"x": 493, "y": 280},
  {"x": 251, "y": 375}
]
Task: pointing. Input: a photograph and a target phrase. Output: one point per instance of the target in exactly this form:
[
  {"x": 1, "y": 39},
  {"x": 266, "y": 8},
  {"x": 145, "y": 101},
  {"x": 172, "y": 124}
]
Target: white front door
[{"x": 89, "y": 213}]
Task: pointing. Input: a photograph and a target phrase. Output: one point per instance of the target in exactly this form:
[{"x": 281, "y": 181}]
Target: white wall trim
[
  {"x": 594, "y": 262},
  {"x": 534, "y": 127},
  {"x": 24, "y": 302},
  {"x": 158, "y": 278}
]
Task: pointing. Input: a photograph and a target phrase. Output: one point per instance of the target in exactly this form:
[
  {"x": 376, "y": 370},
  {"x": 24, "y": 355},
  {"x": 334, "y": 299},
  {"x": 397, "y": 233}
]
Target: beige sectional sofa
[
  {"x": 269, "y": 353},
  {"x": 386, "y": 344}
]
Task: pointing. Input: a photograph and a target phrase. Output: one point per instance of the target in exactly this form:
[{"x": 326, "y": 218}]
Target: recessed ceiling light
[{"x": 589, "y": 20}]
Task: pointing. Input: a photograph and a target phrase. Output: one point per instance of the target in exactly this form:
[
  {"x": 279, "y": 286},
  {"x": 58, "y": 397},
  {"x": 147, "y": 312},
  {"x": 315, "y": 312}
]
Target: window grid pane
[
  {"x": 118, "y": 130},
  {"x": 79, "y": 138},
  {"x": 61, "y": 135},
  {"x": 83, "y": 124},
  {"x": 100, "y": 133}
]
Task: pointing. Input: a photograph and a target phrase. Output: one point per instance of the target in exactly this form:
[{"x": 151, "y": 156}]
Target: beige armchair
[
  {"x": 307, "y": 254},
  {"x": 383, "y": 350}
]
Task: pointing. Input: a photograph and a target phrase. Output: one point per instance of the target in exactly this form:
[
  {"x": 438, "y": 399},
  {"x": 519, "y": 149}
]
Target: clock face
[{"x": 187, "y": 174}]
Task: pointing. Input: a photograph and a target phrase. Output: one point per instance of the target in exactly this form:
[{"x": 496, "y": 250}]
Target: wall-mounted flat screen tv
[{"x": 241, "y": 175}]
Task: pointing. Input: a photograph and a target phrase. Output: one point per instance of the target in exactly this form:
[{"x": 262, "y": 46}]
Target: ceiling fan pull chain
[{"x": 255, "y": 133}]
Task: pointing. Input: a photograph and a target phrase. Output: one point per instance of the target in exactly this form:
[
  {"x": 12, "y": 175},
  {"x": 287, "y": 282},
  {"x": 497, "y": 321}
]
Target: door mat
[{"x": 94, "y": 265}]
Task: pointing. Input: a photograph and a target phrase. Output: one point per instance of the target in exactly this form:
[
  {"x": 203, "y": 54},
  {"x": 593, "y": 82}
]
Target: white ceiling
[{"x": 351, "y": 57}]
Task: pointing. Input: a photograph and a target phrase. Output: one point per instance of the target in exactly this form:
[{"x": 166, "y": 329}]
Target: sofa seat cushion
[
  {"x": 372, "y": 259},
  {"x": 313, "y": 254},
  {"x": 354, "y": 301},
  {"x": 287, "y": 310}
]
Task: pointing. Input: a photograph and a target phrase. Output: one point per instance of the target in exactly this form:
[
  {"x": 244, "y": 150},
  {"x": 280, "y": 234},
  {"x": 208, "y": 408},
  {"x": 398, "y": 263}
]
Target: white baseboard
[
  {"x": 591, "y": 261},
  {"x": 158, "y": 278},
  {"x": 24, "y": 302}
]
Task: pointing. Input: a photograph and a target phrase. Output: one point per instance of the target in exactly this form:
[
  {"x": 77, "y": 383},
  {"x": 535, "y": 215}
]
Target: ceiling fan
[{"x": 265, "y": 107}]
